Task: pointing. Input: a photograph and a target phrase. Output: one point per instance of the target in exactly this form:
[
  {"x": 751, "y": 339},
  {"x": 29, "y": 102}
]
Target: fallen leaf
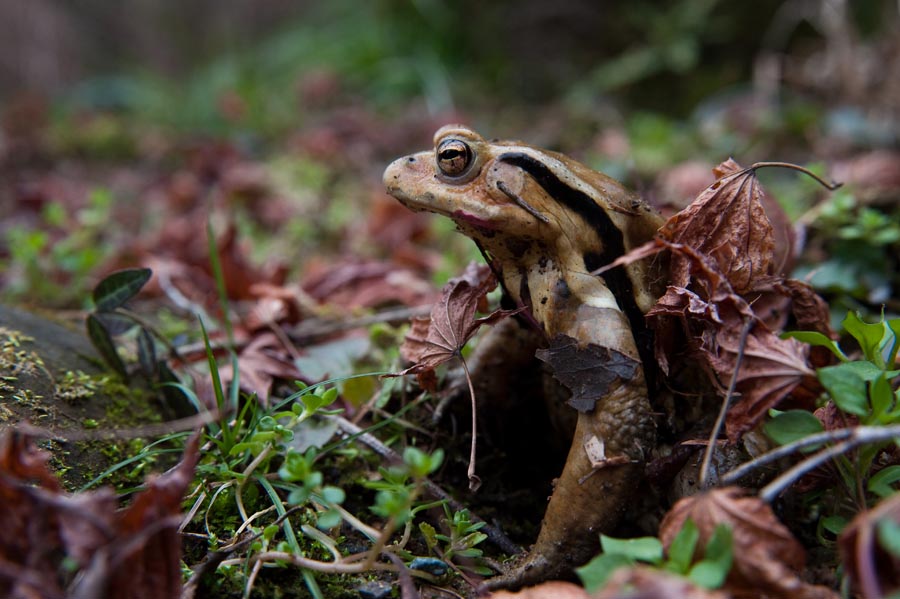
[
  {"x": 728, "y": 223},
  {"x": 587, "y": 371},
  {"x": 873, "y": 568},
  {"x": 554, "y": 589},
  {"x": 366, "y": 284},
  {"x": 768, "y": 370},
  {"x": 434, "y": 340},
  {"x": 133, "y": 553},
  {"x": 260, "y": 362},
  {"x": 767, "y": 557},
  {"x": 711, "y": 320},
  {"x": 631, "y": 583}
]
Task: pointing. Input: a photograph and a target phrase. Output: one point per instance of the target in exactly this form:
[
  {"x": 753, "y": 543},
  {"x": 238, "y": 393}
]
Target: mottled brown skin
[{"x": 544, "y": 222}]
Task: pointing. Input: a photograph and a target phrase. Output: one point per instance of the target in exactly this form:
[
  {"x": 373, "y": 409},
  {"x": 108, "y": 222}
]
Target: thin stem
[
  {"x": 829, "y": 186},
  {"x": 726, "y": 402},
  {"x": 474, "y": 480},
  {"x": 332, "y": 567},
  {"x": 248, "y": 471},
  {"x": 848, "y": 437}
]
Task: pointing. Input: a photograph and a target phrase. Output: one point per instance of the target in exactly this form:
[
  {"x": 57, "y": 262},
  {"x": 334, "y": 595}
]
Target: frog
[{"x": 546, "y": 224}]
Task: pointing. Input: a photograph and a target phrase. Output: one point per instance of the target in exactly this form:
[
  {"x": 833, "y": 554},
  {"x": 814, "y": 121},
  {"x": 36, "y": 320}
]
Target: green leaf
[
  {"x": 328, "y": 519},
  {"x": 420, "y": 463},
  {"x": 834, "y": 524},
  {"x": 889, "y": 536},
  {"x": 846, "y": 387},
  {"x": 816, "y": 339},
  {"x": 645, "y": 549},
  {"x": 792, "y": 425},
  {"x": 333, "y": 495},
  {"x": 882, "y": 398},
  {"x": 146, "y": 353},
  {"x": 869, "y": 336},
  {"x": 719, "y": 547},
  {"x": 710, "y": 572},
  {"x": 119, "y": 287},
  {"x": 596, "y": 572},
  {"x": 429, "y": 533},
  {"x": 868, "y": 371},
  {"x": 681, "y": 551},
  {"x": 880, "y": 483},
  {"x": 708, "y": 575},
  {"x": 105, "y": 346},
  {"x": 116, "y": 323}
]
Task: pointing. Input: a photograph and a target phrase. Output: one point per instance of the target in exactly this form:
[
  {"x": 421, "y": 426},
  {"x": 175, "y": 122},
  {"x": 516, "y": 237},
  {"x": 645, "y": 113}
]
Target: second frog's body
[{"x": 544, "y": 222}]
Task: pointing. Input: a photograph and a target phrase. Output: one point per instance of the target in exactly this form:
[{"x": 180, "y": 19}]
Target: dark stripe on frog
[{"x": 613, "y": 244}]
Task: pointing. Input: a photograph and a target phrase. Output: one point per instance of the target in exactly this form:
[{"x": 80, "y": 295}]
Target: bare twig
[
  {"x": 474, "y": 481},
  {"x": 726, "y": 403},
  {"x": 341, "y": 567},
  {"x": 846, "y": 438},
  {"x": 248, "y": 471}
]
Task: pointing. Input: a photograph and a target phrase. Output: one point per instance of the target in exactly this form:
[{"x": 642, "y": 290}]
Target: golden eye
[{"x": 454, "y": 157}]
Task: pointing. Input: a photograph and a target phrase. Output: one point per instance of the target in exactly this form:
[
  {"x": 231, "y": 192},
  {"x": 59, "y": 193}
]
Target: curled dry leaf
[
  {"x": 353, "y": 284},
  {"x": 434, "y": 340},
  {"x": 874, "y": 570},
  {"x": 767, "y": 557},
  {"x": 713, "y": 318},
  {"x": 728, "y": 223},
  {"x": 133, "y": 553}
]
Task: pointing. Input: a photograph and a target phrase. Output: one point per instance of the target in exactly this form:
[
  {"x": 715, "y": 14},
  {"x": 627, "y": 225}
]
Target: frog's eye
[{"x": 454, "y": 157}]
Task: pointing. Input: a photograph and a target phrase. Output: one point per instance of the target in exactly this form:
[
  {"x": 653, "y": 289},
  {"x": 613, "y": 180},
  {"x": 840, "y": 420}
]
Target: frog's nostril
[{"x": 411, "y": 159}]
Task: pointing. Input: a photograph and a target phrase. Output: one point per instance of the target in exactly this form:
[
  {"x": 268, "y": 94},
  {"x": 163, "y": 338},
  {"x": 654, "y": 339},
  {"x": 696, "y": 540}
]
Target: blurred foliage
[
  {"x": 386, "y": 52},
  {"x": 55, "y": 260}
]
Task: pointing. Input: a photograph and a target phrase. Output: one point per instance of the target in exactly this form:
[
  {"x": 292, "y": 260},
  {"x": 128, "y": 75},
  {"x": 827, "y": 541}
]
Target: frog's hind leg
[{"x": 590, "y": 497}]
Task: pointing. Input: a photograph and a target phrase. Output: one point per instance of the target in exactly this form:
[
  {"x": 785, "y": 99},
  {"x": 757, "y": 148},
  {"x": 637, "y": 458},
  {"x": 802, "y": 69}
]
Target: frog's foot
[{"x": 533, "y": 569}]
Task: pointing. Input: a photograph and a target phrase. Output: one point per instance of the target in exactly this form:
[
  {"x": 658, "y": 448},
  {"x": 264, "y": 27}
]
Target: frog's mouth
[
  {"x": 462, "y": 217},
  {"x": 427, "y": 203}
]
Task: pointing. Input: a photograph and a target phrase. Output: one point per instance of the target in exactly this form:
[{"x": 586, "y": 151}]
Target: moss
[
  {"x": 76, "y": 385},
  {"x": 15, "y": 359}
]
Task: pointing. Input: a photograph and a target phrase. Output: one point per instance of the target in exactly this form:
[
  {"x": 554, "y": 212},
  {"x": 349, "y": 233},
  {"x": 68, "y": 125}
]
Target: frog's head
[{"x": 467, "y": 179}]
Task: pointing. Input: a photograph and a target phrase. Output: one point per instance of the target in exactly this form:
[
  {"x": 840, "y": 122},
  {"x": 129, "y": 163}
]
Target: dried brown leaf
[
  {"x": 359, "y": 284},
  {"x": 146, "y": 556},
  {"x": 712, "y": 319},
  {"x": 31, "y": 533},
  {"x": 439, "y": 338},
  {"x": 586, "y": 370},
  {"x": 874, "y": 570},
  {"x": 554, "y": 589},
  {"x": 728, "y": 223},
  {"x": 631, "y": 583},
  {"x": 134, "y": 553},
  {"x": 769, "y": 369},
  {"x": 767, "y": 557}
]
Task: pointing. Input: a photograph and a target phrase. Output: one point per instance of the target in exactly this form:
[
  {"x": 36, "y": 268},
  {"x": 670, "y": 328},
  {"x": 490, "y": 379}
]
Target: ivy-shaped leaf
[
  {"x": 146, "y": 353},
  {"x": 104, "y": 345},
  {"x": 119, "y": 287}
]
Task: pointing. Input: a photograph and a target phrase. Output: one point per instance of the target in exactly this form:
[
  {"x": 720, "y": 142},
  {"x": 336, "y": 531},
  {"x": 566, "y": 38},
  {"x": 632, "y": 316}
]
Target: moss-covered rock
[{"x": 51, "y": 377}]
